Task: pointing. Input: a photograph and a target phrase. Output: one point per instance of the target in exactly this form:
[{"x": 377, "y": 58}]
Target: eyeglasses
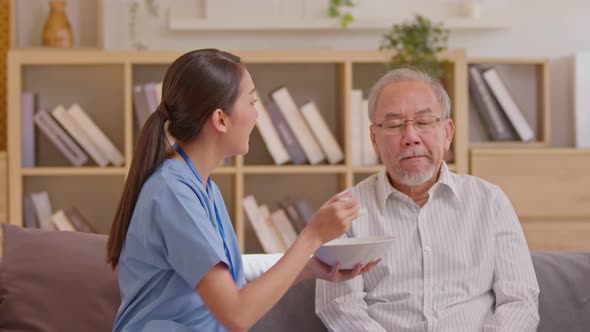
[{"x": 423, "y": 124}]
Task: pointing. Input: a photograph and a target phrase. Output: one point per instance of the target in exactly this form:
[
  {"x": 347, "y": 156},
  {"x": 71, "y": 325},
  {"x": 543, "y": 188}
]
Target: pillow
[
  {"x": 56, "y": 281},
  {"x": 564, "y": 300}
]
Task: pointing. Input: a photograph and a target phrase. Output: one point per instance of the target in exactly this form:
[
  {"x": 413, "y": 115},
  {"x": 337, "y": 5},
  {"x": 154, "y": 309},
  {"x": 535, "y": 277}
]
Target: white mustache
[{"x": 413, "y": 153}]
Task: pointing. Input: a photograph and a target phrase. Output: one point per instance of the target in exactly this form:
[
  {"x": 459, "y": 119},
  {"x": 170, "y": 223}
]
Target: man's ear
[
  {"x": 449, "y": 132},
  {"x": 219, "y": 120}
]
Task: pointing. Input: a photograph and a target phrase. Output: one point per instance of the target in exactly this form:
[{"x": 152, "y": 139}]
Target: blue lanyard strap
[{"x": 217, "y": 216}]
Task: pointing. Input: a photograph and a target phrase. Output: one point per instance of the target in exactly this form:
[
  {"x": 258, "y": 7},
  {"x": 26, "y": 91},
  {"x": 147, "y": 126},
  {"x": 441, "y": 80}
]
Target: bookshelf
[
  {"x": 527, "y": 80},
  {"x": 61, "y": 76}
]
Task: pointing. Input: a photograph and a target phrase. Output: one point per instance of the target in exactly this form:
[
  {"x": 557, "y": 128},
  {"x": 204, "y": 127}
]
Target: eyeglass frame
[{"x": 405, "y": 121}]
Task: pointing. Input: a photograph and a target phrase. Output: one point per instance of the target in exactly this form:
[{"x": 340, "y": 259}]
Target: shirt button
[{"x": 427, "y": 249}]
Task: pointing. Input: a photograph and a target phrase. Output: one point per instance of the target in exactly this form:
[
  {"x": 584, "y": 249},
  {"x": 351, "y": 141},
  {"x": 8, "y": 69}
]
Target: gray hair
[{"x": 410, "y": 74}]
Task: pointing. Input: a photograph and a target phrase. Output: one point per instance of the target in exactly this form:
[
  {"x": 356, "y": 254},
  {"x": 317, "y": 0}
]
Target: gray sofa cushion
[{"x": 564, "y": 281}]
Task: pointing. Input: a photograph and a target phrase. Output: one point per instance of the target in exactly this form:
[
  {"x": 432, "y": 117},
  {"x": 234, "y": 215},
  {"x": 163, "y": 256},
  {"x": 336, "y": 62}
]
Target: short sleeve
[{"x": 190, "y": 241}]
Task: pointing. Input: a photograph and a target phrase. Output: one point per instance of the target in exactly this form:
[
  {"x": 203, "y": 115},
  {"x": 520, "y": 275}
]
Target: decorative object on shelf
[
  {"x": 57, "y": 31},
  {"x": 153, "y": 9},
  {"x": 417, "y": 43},
  {"x": 338, "y": 9},
  {"x": 468, "y": 8}
]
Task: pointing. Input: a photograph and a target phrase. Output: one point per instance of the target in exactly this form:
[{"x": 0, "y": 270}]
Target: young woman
[{"x": 178, "y": 260}]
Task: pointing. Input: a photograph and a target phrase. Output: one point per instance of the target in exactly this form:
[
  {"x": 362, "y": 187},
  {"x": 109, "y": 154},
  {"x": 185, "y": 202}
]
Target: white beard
[{"x": 412, "y": 180}]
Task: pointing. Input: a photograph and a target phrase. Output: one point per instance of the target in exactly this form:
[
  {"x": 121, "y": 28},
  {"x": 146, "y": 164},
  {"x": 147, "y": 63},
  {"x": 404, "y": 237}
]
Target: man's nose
[{"x": 410, "y": 135}]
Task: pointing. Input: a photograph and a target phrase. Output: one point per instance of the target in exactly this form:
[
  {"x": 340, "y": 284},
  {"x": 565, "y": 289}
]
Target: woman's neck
[{"x": 205, "y": 157}]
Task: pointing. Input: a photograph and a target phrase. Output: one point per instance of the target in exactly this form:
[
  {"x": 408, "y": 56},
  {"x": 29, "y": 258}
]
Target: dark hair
[{"x": 195, "y": 85}]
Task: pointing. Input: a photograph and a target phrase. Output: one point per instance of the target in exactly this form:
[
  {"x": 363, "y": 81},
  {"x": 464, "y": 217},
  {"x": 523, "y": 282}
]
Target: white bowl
[{"x": 351, "y": 251}]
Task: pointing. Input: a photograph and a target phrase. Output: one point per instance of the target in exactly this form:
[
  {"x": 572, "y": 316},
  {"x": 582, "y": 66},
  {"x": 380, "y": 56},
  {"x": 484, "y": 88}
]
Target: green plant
[
  {"x": 152, "y": 7},
  {"x": 417, "y": 43},
  {"x": 335, "y": 11}
]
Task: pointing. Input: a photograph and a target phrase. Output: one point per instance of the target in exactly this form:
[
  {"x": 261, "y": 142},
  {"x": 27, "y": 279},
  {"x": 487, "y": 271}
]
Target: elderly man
[{"x": 460, "y": 260}]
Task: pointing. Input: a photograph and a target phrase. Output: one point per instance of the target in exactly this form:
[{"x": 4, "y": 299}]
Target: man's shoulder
[
  {"x": 471, "y": 184},
  {"x": 369, "y": 184}
]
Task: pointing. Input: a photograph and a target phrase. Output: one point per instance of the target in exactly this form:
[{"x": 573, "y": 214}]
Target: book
[
  {"x": 140, "y": 105},
  {"x": 303, "y": 134},
  {"x": 79, "y": 134},
  {"x": 284, "y": 227},
  {"x": 304, "y": 209},
  {"x": 79, "y": 222},
  {"x": 61, "y": 222},
  {"x": 43, "y": 209},
  {"x": 294, "y": 216},
  {"x": 322, "y": 132},
  {"x": 505, "y": 99},
  {"x": 369, "y": 156},
  {"x": 29, "y": 215},
  {"x": 28, "y": 106},
  {"x": 259, "y": 225},
  {"x": 278, "y": 244},
  {"x": 356, "y": 132},
  {"x": 286, "y": 135},
  {"x": 491, "y": 114},
  {"x": 62, "y": 141},
  {"x": 269, "y": 134},
  {"x": 97, "y": 136}
]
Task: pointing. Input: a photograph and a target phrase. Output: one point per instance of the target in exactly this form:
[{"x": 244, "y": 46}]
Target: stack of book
[
  {"x": 499, "y": 112},
  {"x": 38, "y": 213},
  {"x": 277, "y": 230},
  {"x": 71, "y": 130},
  {"x": 296, "y": 134}
]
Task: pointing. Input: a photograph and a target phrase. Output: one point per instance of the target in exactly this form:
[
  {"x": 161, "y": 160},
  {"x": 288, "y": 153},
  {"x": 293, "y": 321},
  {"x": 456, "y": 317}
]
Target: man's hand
[{"x": 315, "y": 268}]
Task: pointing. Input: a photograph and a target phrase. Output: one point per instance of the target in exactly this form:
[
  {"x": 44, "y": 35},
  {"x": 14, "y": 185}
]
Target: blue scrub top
[{"x": 172, "y": 242}]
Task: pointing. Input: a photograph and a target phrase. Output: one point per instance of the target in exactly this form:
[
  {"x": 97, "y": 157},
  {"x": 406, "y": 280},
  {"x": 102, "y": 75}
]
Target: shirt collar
[{"x": 385, "y": 189}]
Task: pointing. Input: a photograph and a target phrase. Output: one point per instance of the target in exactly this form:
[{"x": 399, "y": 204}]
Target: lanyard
[{"x": 219, "y": 224}]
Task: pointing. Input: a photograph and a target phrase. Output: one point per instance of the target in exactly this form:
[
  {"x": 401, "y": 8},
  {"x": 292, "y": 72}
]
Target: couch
[{"x": 59, "y": 281}]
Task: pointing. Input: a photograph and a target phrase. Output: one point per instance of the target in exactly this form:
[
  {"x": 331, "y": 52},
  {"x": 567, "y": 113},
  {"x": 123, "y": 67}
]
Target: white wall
[{"x": 538, "y": 28}]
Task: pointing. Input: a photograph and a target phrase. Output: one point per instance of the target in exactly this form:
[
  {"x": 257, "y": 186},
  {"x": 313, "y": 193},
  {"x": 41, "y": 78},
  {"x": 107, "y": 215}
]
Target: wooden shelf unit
[
  {"x": 247, "y": 175},
  {"x": 527, "y": 80}
]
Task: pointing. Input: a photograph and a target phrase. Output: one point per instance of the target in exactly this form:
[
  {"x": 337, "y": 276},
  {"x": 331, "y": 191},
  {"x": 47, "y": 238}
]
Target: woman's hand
[
  {"x": 315, "y": 268},
  {"x": 332, "y": 219}
]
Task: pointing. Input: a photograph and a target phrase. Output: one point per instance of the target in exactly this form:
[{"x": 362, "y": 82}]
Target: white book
[
  {"x": 508, "y": 104},
  {"x": 356, "y": 145},
  {"x": 284, "y": 227},
  {"x": 269, "y": 134},
  {"x": 368, "y": 152},
  {"x": 277, "y": 241},
  {"x": 256, "y": 219},
  {"x": 158, "y": 88},
  {"x": 97, "y": 136},
  {"x": 61, "y": 222},
  {"x": 302, "y": 133},
  {"x": 322, "y": 132},
  {"x": 43, "y": 209},
  {"x": 79, "y": 134}
]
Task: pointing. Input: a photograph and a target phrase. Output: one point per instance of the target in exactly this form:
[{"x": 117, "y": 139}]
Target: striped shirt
[{"x": 459, "y": 263}]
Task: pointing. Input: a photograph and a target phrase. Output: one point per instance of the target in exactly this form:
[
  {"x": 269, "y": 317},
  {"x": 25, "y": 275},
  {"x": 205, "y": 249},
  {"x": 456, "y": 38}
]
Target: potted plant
[
  {"x": 341, "y": 9},
  {"x": 417, "y": 43}
]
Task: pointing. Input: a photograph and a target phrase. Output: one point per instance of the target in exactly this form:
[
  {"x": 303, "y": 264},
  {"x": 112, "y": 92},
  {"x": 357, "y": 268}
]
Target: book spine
[
  {"x": 322, "y": 133},
  {"x": 494, "y": 120},
  {"x": 96, "y": 135},
  {"x": 28, "y": 129},
  {"x": 369, "y": 155},
  {"x": 508, "y": 104},
  {"x": 295, "y": 120},
  {"x": 70, "y": 125},
  {"x": 270, "y": 136},
  {"x": 294, "y": 150},
  {"x": 356, "y": 136},
  {"x": 60, "y": 138}
]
